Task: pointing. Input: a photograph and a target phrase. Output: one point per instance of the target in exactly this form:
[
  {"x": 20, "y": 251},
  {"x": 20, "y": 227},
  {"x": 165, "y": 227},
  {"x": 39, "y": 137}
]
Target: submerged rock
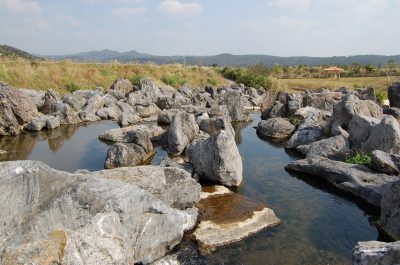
[
  {"x": 55, "y": 217},
  {"x": 275, "y": 128},
  {"x": 226, "y": 217},
  {"x": 217, "y": 159},
  {"x": 374, "y": 253},
  {"x": 357, "y": 180}
]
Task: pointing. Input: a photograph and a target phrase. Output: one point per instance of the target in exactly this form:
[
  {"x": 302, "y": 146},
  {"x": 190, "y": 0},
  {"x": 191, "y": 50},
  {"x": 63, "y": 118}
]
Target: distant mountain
[
  {"x": 8, "y": 51},
  {"x": 226, "y": 59}
]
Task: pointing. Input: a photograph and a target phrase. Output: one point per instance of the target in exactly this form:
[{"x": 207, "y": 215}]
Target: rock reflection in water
[{"x": 67, "y": 148}]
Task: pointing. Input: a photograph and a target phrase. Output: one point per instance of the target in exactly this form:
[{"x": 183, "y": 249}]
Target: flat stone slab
[
  {"x": 357, "y": 180},
  {"x": 122, "y": 134},
  {"x": 226, "y": 217}
]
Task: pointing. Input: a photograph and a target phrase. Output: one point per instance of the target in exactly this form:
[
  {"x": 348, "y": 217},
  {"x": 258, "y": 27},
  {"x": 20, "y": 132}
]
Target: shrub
[
  {"x": 359, "y": 159},
  {"x": 212, "y": 81},
  {"x": 72, "y": 87},
  {"x": 135, "y": 79},
  {"x": 296, "y": 121},
  {"x": 381, "y": 95},
  {"x": 173, "y": 80}
]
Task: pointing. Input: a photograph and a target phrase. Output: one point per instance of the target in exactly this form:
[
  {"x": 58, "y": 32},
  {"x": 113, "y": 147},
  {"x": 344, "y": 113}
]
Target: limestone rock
[
  {"x": 75, "y": 101},
  {"x": 123, "y": 86},
  {"x": 360, "y": 129},
  {"x": 374, "y": 252},
  {"x": 390, "y": 211},
  {"x": 294, "y": 102},
  {"x": 127, "y": 134},
  {"x": 334, "y": 147},
  {"x": 310, "y": 130},
  {"x": 385, "y": 163},
  {"x": 357, "y": 180},
  {"x": 147, "y": 111},
  {"x": 181, "y": 132},
  {"x": 384, "y": 136},
  {"x": 174, "y": 186},
  {"x": 139, "y": 151},
  {"x": 81, "y": 219},
  {"x": 394, "y": 95},
  {"x": 8, "y": 122},
  {"x": 217, "y": 159},
  {"x": 165, "y": 116},
  {"x": 216, "y": 124},
  {"x": 275, "y": 128},
  {"x": 88, "y": 112},
  {"x": 127, "y": 115}
]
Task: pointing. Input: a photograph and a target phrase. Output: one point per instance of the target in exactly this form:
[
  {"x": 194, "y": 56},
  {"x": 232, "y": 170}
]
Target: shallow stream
[{"x": 320, "y": 225}]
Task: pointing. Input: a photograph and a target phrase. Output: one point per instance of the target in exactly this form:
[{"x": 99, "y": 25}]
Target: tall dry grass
[{"x": 67, "y": 75}]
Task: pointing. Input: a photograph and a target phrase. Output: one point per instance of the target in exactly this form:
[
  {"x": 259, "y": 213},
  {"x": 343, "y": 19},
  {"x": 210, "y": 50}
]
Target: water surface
[{"x": 320, "y": 225}]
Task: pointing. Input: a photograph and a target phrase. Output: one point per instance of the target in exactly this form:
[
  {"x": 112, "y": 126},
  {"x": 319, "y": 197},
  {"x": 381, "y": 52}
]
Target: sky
[{"x": 203, "y": 27}]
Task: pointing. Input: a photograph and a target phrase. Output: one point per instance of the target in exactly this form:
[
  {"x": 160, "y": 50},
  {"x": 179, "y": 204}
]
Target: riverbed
[{"x": 319, "y": 225}]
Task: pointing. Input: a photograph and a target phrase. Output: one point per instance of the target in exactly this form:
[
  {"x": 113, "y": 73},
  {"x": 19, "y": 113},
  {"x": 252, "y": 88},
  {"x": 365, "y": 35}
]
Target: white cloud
[
  {"x": 68, "y": 20},
  {"x": 128, "y": 11},
  {"x": 292, "y": 4},
  {"x": 174, "y": 7},
  {"x": 22, "y": 6}
]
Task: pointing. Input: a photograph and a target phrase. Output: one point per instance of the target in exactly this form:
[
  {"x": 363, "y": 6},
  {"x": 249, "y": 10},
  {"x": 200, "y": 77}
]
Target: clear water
[{"x": 320, "y": 226}]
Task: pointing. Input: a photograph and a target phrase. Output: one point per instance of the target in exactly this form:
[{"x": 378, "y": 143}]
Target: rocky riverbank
[
  {"x": 114, "y": 215},
  {"x": 328, "y": 127}
]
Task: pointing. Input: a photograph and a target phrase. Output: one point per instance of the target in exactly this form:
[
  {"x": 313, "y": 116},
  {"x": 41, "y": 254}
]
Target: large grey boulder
[
  {"x": 354, "y": 179},
  {"x": 127, "y": 134},
  {"x": 174, "y": 186},
  {"x": 390, "y": 211},
  {"x": 49, "y": 122},
  {"x": 294, "y": 102},
  {"x": 278, "y": 109},
  {"x": 275, "y": 128},
  {"x": 108, "y": 113},
  {"x": 310, "y": 130},
  {"x": 165, "y": 116},
  {"x": 181, "y": 132},
  {"x": 385, "y": 163},
  {"x": 324, "y": 100},
  {"x": 334, "y": 147},
  {"x": 51, "y": 99},
  {"x": 217, "y": 159},
  {"x": 88, "y": 112},
  {"x": 149, "y": 89},
  {"x": 35, "y": 96},
  {"x": 235, "y": 103},
  {"x": 67, "y": 115},
  {"x": 349, "y": 106},
  {"x": 137, "y": 152},
  {"x": 75, "y": 101},
  {"x": 360, "y": 129},
  {"x": 394, "y": 95},
  {"x": 123, "y": 86},
  {"x": 53, "y": 217},
  {"x": 375, "y": 252},
  {"x": 8, "y": 122},
  {"x": 384, "y": 136},
  {"x": 147, "y": 111},
  {"x": 23, "y": 107},
  {"x": 216, "y": 124},
  {"x": 127, "y": 114}
]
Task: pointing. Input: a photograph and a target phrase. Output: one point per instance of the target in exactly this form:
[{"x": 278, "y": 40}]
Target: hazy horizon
[{"x": 317, "y": 28}]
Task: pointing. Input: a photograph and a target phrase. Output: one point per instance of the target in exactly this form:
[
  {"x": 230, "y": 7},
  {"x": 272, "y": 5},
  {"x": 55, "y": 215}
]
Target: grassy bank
[
  {"x": 68, "y": 76},
  {"x": 300, "y": 84}
]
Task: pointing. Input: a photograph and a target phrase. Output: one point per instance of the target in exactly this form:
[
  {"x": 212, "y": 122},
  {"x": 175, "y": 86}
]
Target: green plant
[
  {"x": 296, "y": 121},
  {"x": 173, "y": 80},
  {"x": 357, "y": 86},
  {"x": 212, "y": 81},
  {"x": 135, "y": 79},
  {"x": 381, "y": 95},
  {"x": 359, "y": 159},
  {"x": 72, "y": 87}
]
